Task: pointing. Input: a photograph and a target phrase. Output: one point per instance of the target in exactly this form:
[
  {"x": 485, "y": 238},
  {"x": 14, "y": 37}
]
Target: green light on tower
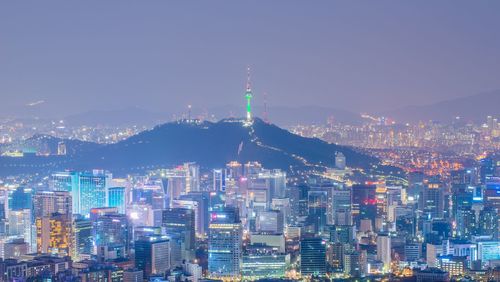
[{"x": 248, "y": 96}]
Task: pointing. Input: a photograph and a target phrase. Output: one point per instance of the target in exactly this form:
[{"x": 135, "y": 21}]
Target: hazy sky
[{"x": 357, "y": 55}]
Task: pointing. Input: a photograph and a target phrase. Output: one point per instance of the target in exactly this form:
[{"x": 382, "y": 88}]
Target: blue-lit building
[
  {"x": 225, "y": 244},
  {"x": 88, "y": 189},
  {"x": 110, "y": 230},
  {"x": 260, "y": 262},
  {"x": 117, "y": 198},
  {"x": 312, "y": 256},
  {"x": 488, "y": 250}
]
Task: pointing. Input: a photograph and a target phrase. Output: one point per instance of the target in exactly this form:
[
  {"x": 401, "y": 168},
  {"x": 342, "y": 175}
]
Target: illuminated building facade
[
  {"x": 54, "y": 234},
  {"x": 225, "y": 244}
]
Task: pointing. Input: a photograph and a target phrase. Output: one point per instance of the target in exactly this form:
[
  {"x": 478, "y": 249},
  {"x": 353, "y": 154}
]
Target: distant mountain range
[
  {"x": 209, "y": 144},
  {"x": 471, "y": 108}
]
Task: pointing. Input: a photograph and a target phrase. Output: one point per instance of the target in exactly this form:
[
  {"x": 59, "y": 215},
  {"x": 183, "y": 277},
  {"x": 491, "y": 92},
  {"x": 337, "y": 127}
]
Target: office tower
[
  {"x": 46, "y": 203},
  {"x": 152, "y": 255},
  {"x": 275, "y": 180},
  {"x": 465, "y": 223},
  {"x": 20, "y": 199},
  {"x": 312, "y": 256},
  {"x": 488, "y": 222},
  {"x": 342, "y": 234},
  {"x": 454, "y": 265},
  {"x": 486, "y": 169},
  {"x": 317, "y": 203},
  {"x": 202, "y": 200},
  {"x": 117, "y": 198},
  {"x": 110, "y": 230},
  {"x": 20, "y": 223},
  {"x": 234, "y": 170},
  {"x": 179, "y": 225},
  {"x": 413, "y": 251},
  {"x": 54, "y": 234},
  {"x": 431, "y": 201},
  {"x": 352, "y": 262},
  {"x": 341, "y": 207},
  {"x": 384, "y": 250},
  {"x": 340, "y": 161},
  {"x": 263, "y": 262},
  {"x": 192, "y": 177},
  {"x": 219, "y": 180},
  {"x": 433, "y": 252},
  {"x": 88, "y": 189},
  {"x": 269, "y": 222},
  {"x": 225, "y": 244},
  {"x": 487, "y": 251},
  {"x": 133, "y": 275},
  {"x": 82, "y": 238},
  {"x": 363, "y": 201},
  {"x": 415, "y": 184}
]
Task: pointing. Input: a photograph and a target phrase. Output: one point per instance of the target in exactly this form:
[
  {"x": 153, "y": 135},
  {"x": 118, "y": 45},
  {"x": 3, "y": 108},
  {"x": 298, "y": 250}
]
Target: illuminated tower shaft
[{"x": 248, "y": 96}]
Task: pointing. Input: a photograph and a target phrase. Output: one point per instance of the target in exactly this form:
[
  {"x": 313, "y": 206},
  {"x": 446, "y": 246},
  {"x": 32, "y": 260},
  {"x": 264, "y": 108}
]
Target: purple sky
[{"x": 369, "y": 56}]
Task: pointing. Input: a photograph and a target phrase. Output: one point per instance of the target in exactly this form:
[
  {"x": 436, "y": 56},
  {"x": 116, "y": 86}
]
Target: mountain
[
  {"x": 470, "y": 108},
  {"x": 209, "y": 144},
  {"x": 288, "y": 116}
]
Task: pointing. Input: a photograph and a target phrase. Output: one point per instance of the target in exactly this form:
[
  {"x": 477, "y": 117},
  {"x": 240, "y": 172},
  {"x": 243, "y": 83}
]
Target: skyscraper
[
  {"x": 225, "y": 244},
  {"x": 116, "y": 198},
  {"x": 312, "y": 256},
  {"x": 179, "y": 224},
  {"x": 82, "y": 238},
  {"x": 152, "y": 255},
  {"x": 54, "y": 234},
  {"x": 110, "y": 229},
  {"x": 88, "y": 189}
]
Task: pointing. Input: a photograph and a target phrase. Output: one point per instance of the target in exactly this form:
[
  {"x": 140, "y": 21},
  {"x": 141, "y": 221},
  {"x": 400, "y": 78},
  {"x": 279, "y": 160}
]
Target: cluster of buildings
[
  {"x": 246, "y": 222},
  {"x": 458, "y": 136}
]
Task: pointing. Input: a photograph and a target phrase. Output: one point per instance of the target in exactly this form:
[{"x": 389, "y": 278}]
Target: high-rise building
[
  {"x": 312, "y": 256},
  {"x": 431, "y": 201},
  {"x": 384, "y": 250},
  {"x": 219, "y": 180},
  {"x": 82, "y": 243},
  {"x": 117, "y": 198},
  {"x": 54, "y": 234},
  {"x": 46, "y": 203},
  {"x": 352, "y": 262},
  {"x": 152, "y": 255},
  {"x": 110, "y": 230},
  {"x": 364, "y": 203},
  {"x": 270, "y": 222},
  {"x": 88, "y": 189},
  {"x": 179, "y": 224},
  {"x": 225, "y": 244}
]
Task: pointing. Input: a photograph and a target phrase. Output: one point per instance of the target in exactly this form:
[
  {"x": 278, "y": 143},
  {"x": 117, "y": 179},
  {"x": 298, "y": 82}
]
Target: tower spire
[{"x": 248, "y": 96}]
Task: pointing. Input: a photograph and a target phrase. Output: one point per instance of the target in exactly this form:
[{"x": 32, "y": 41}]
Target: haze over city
[
  {"x": 161, "y": 141},
  {"x": 59, "y": 58}
]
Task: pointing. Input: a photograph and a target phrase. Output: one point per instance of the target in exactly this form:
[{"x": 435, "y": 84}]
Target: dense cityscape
[{"x": 249, "y": 141}]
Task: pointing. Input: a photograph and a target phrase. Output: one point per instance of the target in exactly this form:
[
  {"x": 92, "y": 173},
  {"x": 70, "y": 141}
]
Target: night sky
[{"x": 77, "y": 56}]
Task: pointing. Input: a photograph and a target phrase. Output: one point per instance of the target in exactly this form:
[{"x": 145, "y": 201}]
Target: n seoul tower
[{"x": 248, "y": 96}]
